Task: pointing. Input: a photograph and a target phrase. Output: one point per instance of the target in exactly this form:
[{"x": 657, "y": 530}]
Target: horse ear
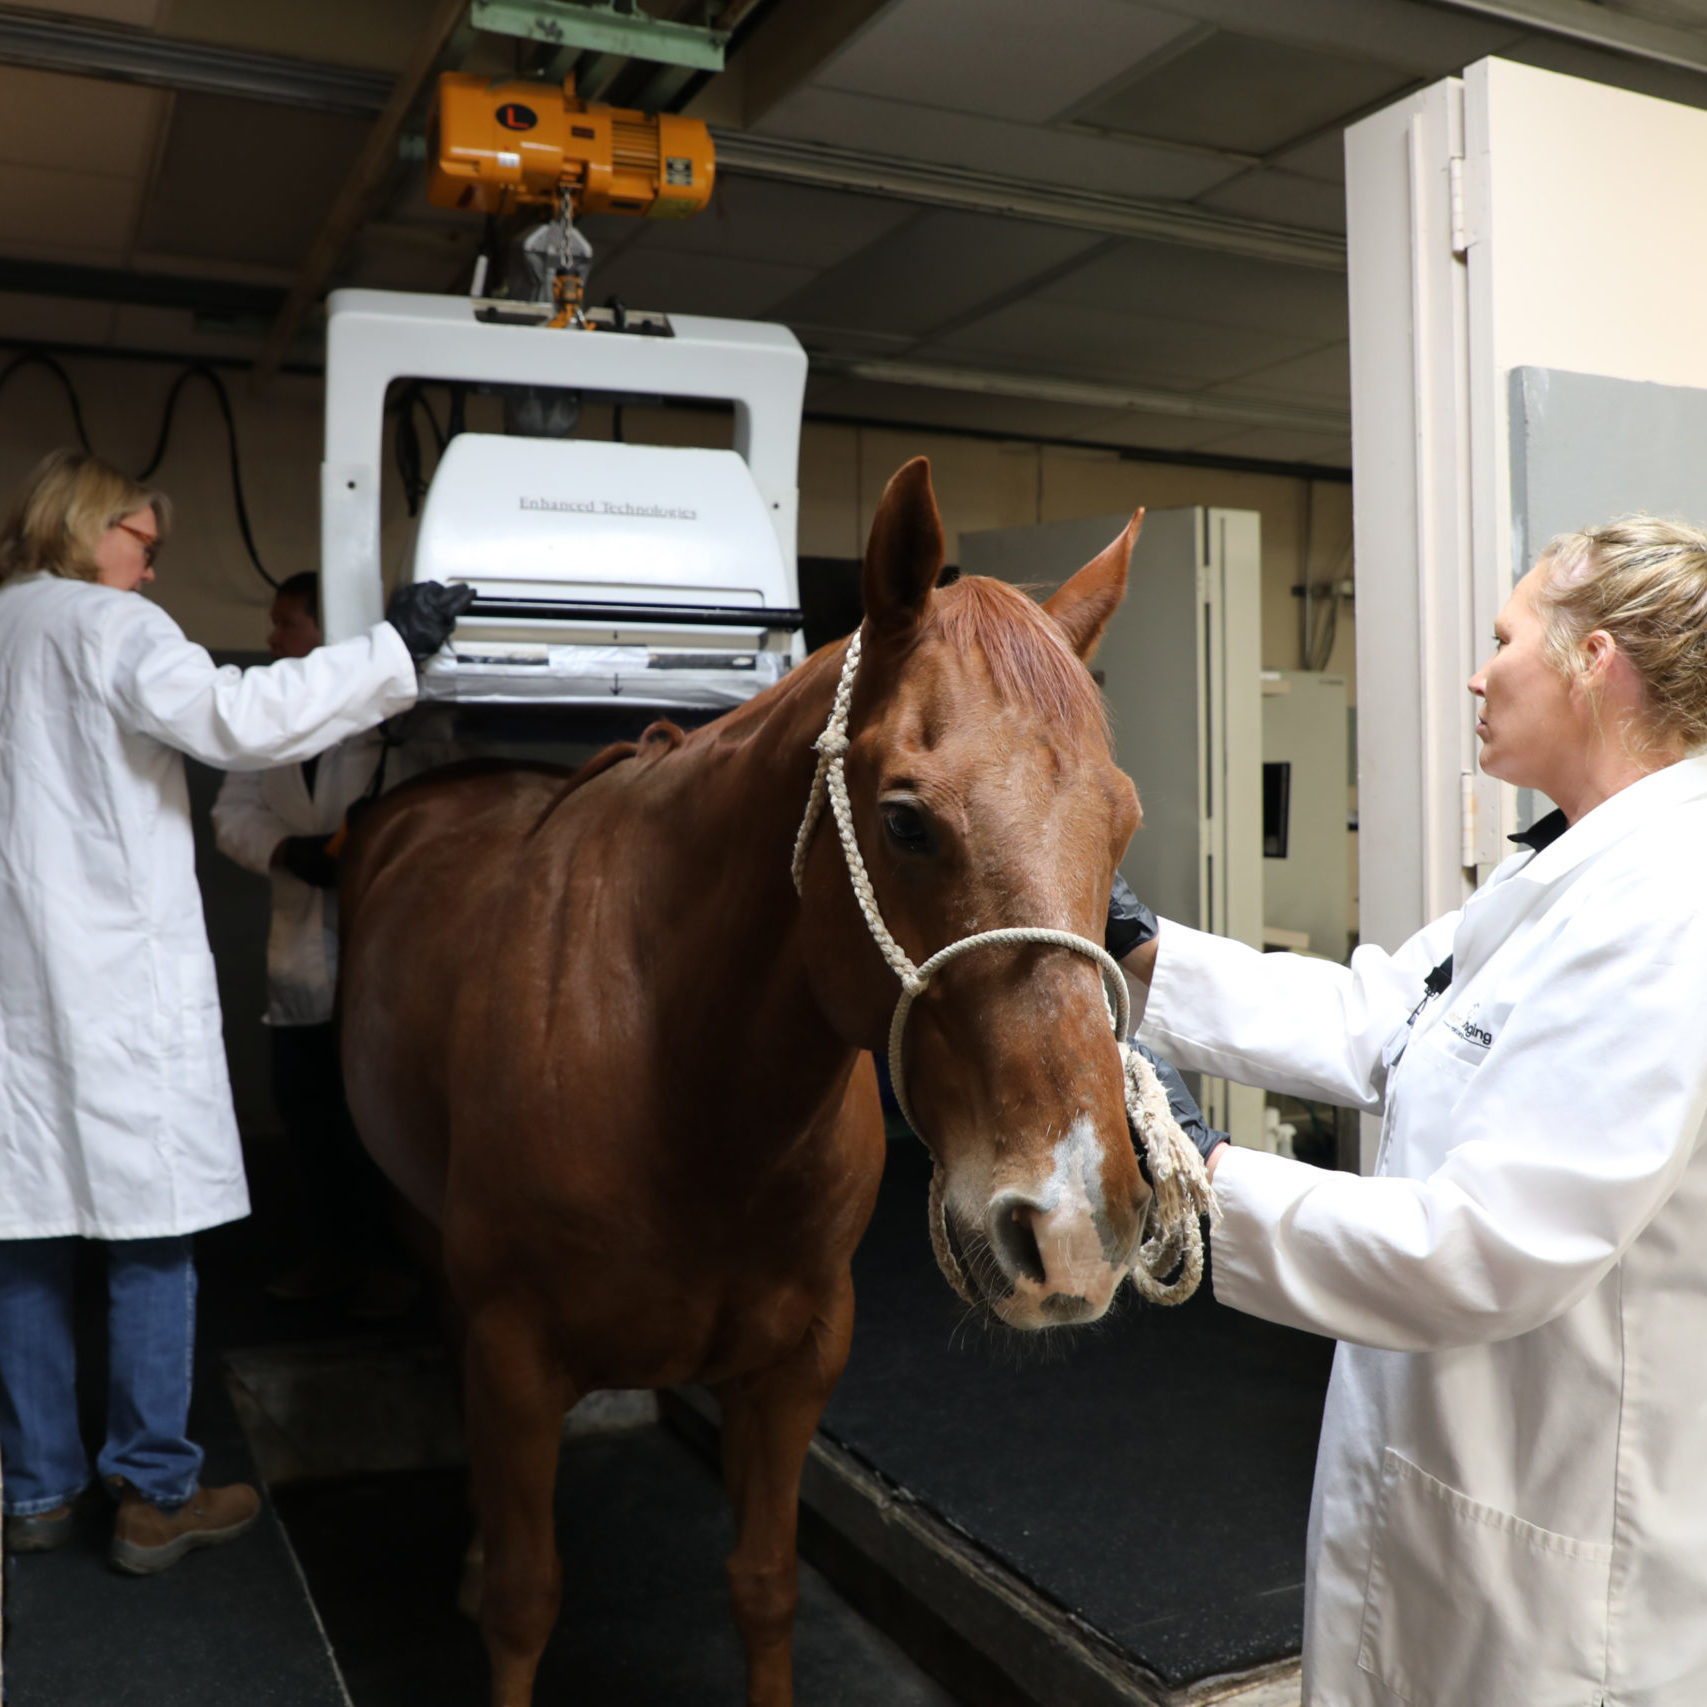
[
  {"x": 903, "y": 557},
  {"x": 1084, "y": 604}
]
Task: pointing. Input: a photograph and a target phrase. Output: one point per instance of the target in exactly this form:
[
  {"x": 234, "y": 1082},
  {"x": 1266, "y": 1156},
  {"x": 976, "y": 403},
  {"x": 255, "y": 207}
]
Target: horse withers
[{"x": 599, "y": 1041}]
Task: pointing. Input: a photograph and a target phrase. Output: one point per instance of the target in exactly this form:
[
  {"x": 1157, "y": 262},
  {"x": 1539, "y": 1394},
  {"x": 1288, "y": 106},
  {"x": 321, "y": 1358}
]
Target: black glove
[
  {"x": 306, "y": 859},
  {"x": 1182, "y": 1104},
  {"x": 424, "y": 613},
  {"x": 1130, "y": 923}
]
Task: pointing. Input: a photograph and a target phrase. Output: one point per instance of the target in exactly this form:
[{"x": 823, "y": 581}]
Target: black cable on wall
[{"x": 41, "y": 355}]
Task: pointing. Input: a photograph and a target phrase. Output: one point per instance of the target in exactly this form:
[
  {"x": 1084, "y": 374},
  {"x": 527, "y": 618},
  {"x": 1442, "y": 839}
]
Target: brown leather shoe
[
  {"x": 41, "y": 1531},
  {"x": 148, "y": 1538}
]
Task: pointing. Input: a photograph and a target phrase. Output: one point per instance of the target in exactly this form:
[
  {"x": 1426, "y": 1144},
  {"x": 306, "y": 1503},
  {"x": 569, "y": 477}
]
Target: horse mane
[{"x": 1029, "y": 659}]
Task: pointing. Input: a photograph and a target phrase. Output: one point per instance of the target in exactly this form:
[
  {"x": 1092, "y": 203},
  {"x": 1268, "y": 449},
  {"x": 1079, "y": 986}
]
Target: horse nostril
[{"x": 1013, "y": 1238}]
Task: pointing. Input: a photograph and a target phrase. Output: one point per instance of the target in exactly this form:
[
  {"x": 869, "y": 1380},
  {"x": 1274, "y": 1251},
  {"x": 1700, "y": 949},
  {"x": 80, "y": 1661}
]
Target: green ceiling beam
[{"x": 603, "y": 26}]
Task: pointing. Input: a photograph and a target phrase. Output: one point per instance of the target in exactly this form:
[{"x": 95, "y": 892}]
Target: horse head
[{"x": 983, "y": 795}]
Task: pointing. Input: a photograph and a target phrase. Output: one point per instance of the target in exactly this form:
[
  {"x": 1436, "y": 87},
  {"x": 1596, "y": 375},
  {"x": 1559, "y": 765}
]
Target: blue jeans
[{"x": 151, "y": 1331}]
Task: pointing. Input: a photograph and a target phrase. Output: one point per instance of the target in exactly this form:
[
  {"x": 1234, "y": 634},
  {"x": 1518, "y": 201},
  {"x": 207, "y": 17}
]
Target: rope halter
[{"x": 1180, "y": 1191}]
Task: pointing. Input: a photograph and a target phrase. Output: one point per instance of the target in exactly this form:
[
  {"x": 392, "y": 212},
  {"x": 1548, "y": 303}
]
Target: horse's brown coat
[{"x": 594, "y": 1036}]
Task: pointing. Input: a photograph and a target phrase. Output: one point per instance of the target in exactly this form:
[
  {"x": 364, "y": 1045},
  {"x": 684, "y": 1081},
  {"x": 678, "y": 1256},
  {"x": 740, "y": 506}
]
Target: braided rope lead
[{"x": 1180, "y": 1191}]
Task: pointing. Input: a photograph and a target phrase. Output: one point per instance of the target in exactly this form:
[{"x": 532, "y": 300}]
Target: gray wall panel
[{"x": 1585, "y": 449}]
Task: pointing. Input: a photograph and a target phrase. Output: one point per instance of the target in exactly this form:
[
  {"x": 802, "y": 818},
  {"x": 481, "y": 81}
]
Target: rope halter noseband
[{"x": 1179, "y": 1186}]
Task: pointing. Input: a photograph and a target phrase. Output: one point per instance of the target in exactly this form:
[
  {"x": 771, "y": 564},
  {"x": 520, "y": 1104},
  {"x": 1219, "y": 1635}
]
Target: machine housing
[{"x": 575, "y": 544}]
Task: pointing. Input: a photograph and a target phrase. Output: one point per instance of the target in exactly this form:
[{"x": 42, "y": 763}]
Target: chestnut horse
[{"x": 593, "y": 1033}]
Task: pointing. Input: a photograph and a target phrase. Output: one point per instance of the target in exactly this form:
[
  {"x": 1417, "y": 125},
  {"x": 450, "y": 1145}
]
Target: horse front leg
[
  {"x": 769, "y": 1418},
  {"x": 515, "y": 1396}
]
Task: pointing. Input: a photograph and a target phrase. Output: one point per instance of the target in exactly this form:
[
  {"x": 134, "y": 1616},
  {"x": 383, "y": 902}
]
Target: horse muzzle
[{"x": 1050, "y": 1252}]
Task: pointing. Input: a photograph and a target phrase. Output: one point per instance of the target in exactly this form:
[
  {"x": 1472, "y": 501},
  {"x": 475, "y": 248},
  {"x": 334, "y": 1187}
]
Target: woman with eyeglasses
[{"x": 116, "y": 1121}]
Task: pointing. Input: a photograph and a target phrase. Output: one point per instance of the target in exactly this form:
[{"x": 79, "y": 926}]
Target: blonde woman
[
  {"x": 115, "y": 1113},
  {"x": 1509, "y": 1504}
]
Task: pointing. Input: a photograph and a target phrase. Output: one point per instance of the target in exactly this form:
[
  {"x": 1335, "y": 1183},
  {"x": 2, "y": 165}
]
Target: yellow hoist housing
[{"x": 494, "y": 147}]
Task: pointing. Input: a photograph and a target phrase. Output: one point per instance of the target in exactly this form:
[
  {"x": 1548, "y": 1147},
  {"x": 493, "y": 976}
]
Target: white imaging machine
[
  {"x": 605, "y": 574},
  {"x": 654, "y": 576}
]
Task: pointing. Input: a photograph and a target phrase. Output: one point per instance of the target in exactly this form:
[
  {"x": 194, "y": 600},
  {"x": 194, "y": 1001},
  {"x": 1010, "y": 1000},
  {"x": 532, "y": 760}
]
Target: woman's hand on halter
[
  {"x": 1130, "y": 923},
  {"x": 1130, "y": 936},
  {"x": 1183, "y": 1105}
]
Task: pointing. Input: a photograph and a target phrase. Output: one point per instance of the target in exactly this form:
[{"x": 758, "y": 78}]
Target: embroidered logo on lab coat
[{"x": 1468, "y": 1027}]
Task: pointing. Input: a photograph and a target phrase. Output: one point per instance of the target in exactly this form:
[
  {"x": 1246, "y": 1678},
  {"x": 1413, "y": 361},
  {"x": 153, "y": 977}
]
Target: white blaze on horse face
[{"x": 1051, "y": 1239}]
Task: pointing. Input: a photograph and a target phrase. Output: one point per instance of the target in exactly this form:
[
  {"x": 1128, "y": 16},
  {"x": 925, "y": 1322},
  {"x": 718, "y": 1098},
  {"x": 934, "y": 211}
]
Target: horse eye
[{"x": 906, "y": 827}]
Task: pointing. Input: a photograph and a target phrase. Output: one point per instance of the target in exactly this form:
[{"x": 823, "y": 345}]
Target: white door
[{"x": 1511, "y": 233}]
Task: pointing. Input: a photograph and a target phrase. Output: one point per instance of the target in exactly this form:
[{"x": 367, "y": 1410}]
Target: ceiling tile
[
  {"x": 1322, "y": 376},
  {"x": 697, "y": 284},
  {"x": 139, "y": 12},
  {"x": 1113, "y": 348},
  {"x": 1322, "y": 158},
  {"x": 400, "y": 258},
  {"x": 86, "y": 215},
  {"x": 1143, "y": 278},
  {"x": 1238, "y": 92},
  {"x": 935, "y": 269},
  {"x": 1027, "y": 153},
  {"x": 1422, "y": 36},
  {"x": 376, "y": 34},
  {"x": 751, "y": 219},
  {"x": 850, "y": 340},
  {"x": 1283, "y": 197},
  {"x": 75, "y": 123},
  {"x": 243, "y": 181},
  {"x": 1021, "y": 61}
]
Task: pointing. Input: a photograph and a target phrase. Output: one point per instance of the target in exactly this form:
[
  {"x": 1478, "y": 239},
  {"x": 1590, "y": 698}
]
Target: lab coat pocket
[
  {"x": 190, "y": 1019},
  {"x": 1468, "y": 1603}
]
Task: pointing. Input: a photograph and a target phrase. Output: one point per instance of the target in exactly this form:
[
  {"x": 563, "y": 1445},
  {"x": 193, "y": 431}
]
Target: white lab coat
[
  {"x": 254, "y": 812},
  {"x": 115, "y": 1109},
  {"x": 1510, "y": 1505}
]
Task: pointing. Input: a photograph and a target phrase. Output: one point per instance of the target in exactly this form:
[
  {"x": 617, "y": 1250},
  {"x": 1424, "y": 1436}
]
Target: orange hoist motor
[{"x": 496, "y": 146}]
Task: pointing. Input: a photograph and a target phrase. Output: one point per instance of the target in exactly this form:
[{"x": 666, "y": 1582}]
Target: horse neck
[{"x": 737, "y": 794}]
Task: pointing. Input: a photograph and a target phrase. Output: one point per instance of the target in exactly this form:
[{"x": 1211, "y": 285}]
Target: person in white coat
[
  {"x": 116, "y": 1121},
  {"x": 1509, "y": 1505},
  {"x": 281, "y": 824}
]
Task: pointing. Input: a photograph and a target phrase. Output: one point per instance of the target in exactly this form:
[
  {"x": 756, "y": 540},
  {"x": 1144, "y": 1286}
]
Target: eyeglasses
[{"x": 150, "y": 542}]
